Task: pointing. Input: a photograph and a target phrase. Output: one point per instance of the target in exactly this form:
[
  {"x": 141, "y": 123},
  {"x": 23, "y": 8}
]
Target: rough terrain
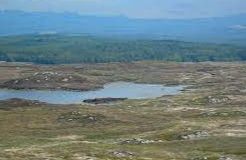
[{"x": 206, "y": 122}]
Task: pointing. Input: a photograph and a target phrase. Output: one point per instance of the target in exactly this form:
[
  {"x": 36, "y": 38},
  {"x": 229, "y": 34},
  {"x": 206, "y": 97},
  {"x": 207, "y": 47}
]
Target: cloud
[
  {"x": 238, "y": 27},
  {"x": 133, "y": 8}
]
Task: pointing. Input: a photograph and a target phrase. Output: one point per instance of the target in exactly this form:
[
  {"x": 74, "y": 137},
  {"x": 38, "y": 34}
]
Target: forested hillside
[{"x": 55, "y": 49}]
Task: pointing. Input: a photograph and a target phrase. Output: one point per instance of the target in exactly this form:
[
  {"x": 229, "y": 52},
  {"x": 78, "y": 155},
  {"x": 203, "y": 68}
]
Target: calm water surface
[{"x": 113, "y": 90}]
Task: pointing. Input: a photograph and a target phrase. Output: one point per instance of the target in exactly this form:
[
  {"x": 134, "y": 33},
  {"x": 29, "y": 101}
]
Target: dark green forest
[{"x": 56, "y": 49}]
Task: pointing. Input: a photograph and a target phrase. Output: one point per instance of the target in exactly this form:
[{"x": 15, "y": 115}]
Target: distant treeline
[{"x": 56, "y": 49}]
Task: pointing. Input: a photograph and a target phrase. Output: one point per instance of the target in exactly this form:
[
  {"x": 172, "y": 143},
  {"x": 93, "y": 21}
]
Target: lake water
[{"x": 112, "y": 90}]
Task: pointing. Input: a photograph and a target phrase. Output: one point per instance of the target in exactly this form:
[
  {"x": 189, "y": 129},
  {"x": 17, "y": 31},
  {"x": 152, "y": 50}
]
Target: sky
[{"x": 147, "y": 9}]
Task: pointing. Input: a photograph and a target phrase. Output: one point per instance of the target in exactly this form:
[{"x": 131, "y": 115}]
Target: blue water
[{"x": 113, "y": 90}]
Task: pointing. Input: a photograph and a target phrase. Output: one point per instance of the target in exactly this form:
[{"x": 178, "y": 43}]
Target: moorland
[{"x": 206, "y": 121}]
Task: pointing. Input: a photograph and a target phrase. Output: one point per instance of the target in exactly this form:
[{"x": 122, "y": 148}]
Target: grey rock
[{"x": 123, "y": 154}]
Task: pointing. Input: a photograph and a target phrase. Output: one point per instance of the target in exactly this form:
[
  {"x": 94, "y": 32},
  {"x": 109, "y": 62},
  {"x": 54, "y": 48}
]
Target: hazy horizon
[
  {"x": 119, "y": 16},
  {"x": 144, "y": 9}
]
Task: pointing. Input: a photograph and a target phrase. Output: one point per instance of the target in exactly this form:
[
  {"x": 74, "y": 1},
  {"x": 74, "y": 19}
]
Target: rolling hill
[{"x": 231, "y": 29}]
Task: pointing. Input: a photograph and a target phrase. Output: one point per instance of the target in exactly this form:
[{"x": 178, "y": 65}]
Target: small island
[{"x": 103, "y": 100}]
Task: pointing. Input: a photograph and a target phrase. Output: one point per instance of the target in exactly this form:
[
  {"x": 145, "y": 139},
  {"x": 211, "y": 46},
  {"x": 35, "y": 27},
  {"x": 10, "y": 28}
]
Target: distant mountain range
[{"x": 230, "y": 29}]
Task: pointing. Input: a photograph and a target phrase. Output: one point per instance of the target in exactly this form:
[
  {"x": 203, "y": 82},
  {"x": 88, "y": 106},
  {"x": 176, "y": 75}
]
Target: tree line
[{"x": 56, "y": 49}]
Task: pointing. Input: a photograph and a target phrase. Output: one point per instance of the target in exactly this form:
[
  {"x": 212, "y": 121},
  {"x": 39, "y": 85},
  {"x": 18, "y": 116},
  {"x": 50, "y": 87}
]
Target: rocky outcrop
[
  {"x": 78, "y": 117},
  {"x": 139, "y": 141},
  {"x": 195, "y": 135},
  {"x": 122, "y": 154}
]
